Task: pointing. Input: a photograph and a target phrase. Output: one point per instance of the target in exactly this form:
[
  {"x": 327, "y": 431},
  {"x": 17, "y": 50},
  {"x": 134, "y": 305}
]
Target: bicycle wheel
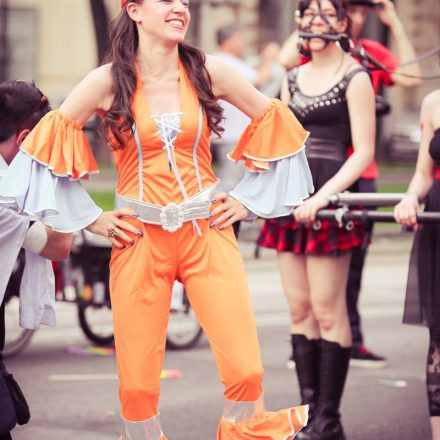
[
  {"x": 17, "y": 338},
  {"x": 184, "y": 330},
  {"x": 96, "y": 323}
]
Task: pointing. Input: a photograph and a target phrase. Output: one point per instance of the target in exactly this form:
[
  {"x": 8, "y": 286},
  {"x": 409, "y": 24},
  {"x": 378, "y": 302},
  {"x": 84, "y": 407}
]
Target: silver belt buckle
[{"x": 171, "y": 217}]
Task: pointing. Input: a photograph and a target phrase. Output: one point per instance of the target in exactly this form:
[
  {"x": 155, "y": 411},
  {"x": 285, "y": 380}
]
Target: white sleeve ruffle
[
  {"x": 37, "y": 288},
  {"x": 37, "y": 293},
  {"x": 29, "y": 187},
  {"x": 275, "y": 193}
]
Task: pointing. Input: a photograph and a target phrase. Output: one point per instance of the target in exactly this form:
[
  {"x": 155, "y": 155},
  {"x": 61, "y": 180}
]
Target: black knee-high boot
[
  {"x": 333, "y": 372},
  {"x": 306, "y": 357},
  {"x": 433, "y": 373}
]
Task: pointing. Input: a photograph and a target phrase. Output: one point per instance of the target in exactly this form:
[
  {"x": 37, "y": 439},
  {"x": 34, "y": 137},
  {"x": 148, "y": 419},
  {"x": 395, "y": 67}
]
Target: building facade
[
  {"x": 422, "y": 22},
  {"x": 54, "y": 41},
  {"x": 51, "y": 42}
]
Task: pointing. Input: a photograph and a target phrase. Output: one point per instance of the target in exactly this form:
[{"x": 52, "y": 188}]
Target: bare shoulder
[
  {"x": 93, "y": 94},
  {"x": 101, "y": 77},
  {"x": 432, "y": 100},
  {"x": 361, "y": 78},
  {"x": 216, "y": 66},
  {"x": 351, "y": 65},
  {"x": 100, "y": 83},
  {"x": 430, "y": 112},
  {"x": 220, "y": 72},
  {"x": 360, "y": 88},
  {"x": 360, "y": 83}
]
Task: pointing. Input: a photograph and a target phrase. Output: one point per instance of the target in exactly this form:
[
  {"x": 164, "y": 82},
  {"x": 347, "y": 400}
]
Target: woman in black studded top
[
  {"x": 422, "y": 305},
  {"x": 333, "y": 98}
]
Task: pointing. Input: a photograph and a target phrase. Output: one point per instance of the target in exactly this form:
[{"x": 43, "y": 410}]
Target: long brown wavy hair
[{"x": 124, "y": 41}]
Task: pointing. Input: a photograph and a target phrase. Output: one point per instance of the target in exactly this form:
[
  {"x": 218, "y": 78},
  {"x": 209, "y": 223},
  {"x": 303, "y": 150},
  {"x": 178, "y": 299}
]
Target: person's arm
[
  {"x": 42, "y": 240},
  {"x": 405, "y": 50},
  {"x": 285, "y": 93},
  {"x": 57, "y": 246},
  {"x": 94, "y": 95},
  {"x": 274, "y": 135},
  {"x": 406, "y": 211},
  {"x": 228, "y": 84},
  {"x": 289, "y": 55},
  {"x": 360, "y": 100}
]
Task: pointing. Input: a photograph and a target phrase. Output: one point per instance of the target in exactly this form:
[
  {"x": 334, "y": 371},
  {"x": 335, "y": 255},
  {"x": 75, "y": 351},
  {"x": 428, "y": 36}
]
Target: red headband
[{"x": 124, "y": 2}]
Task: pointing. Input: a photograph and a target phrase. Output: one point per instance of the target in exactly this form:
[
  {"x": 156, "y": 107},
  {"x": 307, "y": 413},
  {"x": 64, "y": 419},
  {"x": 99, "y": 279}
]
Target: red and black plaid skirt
[{"x": 287, "y": 235}]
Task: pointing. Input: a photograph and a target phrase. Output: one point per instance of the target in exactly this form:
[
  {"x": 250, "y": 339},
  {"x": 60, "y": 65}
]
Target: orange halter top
[
  {"x": 168, "y": 158},
  {"x": 166, "y": 149}
]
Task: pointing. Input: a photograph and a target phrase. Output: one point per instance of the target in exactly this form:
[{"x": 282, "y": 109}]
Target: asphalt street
[{"x": 74, "y": 396}]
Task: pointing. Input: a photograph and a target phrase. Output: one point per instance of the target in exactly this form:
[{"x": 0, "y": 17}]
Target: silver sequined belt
[{"x": 172, "y": 216}]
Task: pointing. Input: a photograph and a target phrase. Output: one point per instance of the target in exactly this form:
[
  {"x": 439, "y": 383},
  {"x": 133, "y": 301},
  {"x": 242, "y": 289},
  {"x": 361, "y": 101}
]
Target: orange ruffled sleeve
[
  {"x": 59, "y": 143},
  {"x": 274, "y": 135}
]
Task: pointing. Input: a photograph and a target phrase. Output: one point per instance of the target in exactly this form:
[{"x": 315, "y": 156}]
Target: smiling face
[
  {"x": 164, "y": 20},
  {"x": 312, "y": 21}
]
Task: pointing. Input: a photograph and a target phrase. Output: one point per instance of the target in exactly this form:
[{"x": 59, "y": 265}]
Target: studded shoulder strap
[{"x": 350, "y": 75}]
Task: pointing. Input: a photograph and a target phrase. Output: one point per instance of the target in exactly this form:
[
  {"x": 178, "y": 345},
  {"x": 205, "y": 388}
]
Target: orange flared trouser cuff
[
  {"x": 281, "y": 425},
  {"x": 149, "y": 429}
]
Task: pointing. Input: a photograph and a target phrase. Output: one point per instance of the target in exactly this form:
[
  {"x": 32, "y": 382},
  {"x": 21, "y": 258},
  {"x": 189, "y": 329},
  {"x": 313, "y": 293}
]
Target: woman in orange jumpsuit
[{"x": 157, "y": 98}]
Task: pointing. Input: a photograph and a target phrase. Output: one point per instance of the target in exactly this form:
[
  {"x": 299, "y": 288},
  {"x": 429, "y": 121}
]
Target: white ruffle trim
[
  {"x": 30, "y": 188},
  {"x": 286, "y": 184}
]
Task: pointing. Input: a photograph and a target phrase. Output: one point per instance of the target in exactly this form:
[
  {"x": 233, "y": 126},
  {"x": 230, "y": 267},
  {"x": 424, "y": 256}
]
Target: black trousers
[
  {"x": 355, "y": 272},
  {"x": 2, "y": 327},
  {"x": 2, "y": 345}
]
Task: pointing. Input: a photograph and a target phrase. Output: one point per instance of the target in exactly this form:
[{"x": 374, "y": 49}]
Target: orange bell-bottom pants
[{"x": 211, "y": 268}]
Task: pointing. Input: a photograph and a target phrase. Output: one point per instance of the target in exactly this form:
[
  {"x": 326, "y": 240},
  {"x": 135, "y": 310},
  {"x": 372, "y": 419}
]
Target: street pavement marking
[
  {"x": 81, "y": 377},
  {"x": 91, "y": 350},
  {"x": 165, "y": 374}
]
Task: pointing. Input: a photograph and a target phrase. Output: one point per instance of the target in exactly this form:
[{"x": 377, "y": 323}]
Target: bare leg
[
  {"x": 304, "y": 328},
  {"x": 435, "y": 427},
  {"x": 293, "y": 270},
  {"x": 327, "y": 277}
]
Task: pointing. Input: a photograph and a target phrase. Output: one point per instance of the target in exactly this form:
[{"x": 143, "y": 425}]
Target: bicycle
[{"x": 83, "y": 280}]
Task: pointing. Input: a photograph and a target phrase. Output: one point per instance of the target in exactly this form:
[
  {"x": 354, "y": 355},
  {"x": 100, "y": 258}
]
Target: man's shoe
[{"x": 362, "y": 357}]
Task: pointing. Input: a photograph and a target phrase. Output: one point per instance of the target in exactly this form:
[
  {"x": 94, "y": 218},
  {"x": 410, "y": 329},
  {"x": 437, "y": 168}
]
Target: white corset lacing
[{"x": 168, "y": 125}]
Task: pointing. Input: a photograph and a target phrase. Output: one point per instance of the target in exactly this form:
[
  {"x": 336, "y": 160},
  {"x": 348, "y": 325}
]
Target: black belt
[{"x": 328, "y": 149}]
